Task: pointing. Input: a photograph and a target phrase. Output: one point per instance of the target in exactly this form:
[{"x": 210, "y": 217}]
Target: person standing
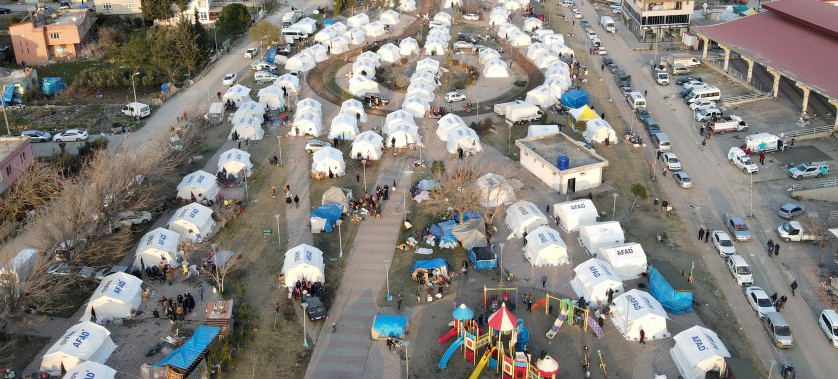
[
  {"x": 700, "y": 234},
  {"x": 156, "y": 314},
  {"x": 273, "y": 192},
  {"x": 642, "y": 337},
  {"x": 707, "y": 235},
  {"x": 776, "y": 249},
  {"x": 762, "y": 158},
  {"x": 793, "y": 286},
  {"x": 297, "y": 201},
  {"x": 399, "y": 301},
  {"x": 418, "y": 297},
  {"x": 544, "y": 281},
  {"x": 201, "y": 293},
  {"x": 357, "y": 178},
  {"x": 770, "y": 246}
]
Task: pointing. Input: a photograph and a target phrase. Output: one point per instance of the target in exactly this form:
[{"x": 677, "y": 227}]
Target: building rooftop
[
  {"x": 43, "y": 17},
  {"x": 8, "y": 76},
  {"x": 673, "y": 276},
  {"x": 9, "y": 144},
  {"x": 550, "y": 147}
]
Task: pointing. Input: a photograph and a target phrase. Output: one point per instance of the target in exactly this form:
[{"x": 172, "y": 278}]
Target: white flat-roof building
[{"x": 561, "y": 162}]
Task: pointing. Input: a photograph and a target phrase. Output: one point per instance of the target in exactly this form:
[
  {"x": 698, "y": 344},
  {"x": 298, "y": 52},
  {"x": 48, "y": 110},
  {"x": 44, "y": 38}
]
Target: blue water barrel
[{"x": 563, "y": 162}]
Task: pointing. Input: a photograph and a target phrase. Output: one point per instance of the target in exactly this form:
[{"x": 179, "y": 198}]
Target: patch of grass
[
  {"x": 23, "y": 350},
  {"x": 75, "y": 296},
  {"x": 70, "y": 69},
  {"x": 331, "y": 85}
]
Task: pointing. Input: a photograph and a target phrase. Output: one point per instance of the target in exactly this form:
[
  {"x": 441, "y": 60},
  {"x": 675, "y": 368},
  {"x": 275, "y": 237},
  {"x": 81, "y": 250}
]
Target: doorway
[{"x": 571, "y": 185}]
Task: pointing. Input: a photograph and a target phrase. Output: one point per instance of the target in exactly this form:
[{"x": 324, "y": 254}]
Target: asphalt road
[{"x": 718, "y": 189}]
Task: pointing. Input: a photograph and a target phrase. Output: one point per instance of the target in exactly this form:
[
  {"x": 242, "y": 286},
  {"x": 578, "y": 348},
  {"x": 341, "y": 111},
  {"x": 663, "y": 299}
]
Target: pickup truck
[
  {"x": 794, "y": 231},
  {"x": 522, "y": 112},
  {"x": 660, "y": 75},
  {"x": 732, "y": 123},
  {"x": 738, "y": 158},
  {"x": 809, "y": 170}
]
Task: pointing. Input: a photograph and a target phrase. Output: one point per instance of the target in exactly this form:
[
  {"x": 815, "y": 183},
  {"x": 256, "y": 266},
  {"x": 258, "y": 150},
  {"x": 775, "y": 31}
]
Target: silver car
[
  {"x": 683, "y": 179},
  {"x": 790, "y": 211},
  {"x": 736, "y": 225}
]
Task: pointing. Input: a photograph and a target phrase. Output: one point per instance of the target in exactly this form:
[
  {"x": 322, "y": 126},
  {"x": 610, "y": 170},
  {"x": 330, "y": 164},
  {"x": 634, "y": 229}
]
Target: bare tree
[
  {"x": 37, "y": 186},
  {"x": 813, "y": 226},
  {"x": 224, "y": 262}
]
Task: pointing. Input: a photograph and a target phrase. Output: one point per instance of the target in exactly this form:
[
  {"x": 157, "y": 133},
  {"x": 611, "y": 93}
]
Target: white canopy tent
[
  {"x": 495, "y": 68},
  {"x": 463, "y": 137},
  {"x": 308, "y": 122},
  {"x": 355, "y": 36},
  {"x": 290, "y": 83},
  {"x": 360, "y": 85},
  {"x": 506, "y": 29},
  {"x": 158, "y": 245},
  {"x": 118, "y": 296},
  {"x": 596, "y": 235},
  {"x": 518, "y": 38},
  {"x": 390, "y": 17},
  {"x": 697, "y": 351},
  {"x": 428, "y": 65},
  {"x": 402, "y": 135},
  {"x": 598, "y": 130},
  {"x": 344, "y": 126},
  {"x": 201, "y": 184},
  {"x": 498, "y": 16},
  {"x": 593, "y": 280},
  {"x": 326, "y": 34},
  {"x": 453, "y": 3},
  {"x": 486, "y": 55},
  {"x": 271, "y": 97},
  {"x": 436, "y": 47},
  {"x": 390, "y": 53},
  {"x": 319, "y": 52},
  {"x": 251, "y": 108},
  {"x": 416, "y": 106},
  {"x": 397, "y": 117},
  {"x": 443, "y": 18},
  {"x": 396, "y": 124},
  {"x": 85, "y": 341},
  {"x": 574, "y": 214},
  {"x": 354, "y": 108},
  {"x": 627, "y": 259},
  {"x": 424, "y": 77},
  {"x": 636, "y": 310},
  {"x": 407, "y": 6},
  {"x": 238, "y": 94},
  {"x": 193, "y": 222},
  {"x": 364, "y": 67},
  {"x": 546, "y": 60},
  {"x": 422, "y": 90},
  {"x": 370, "y": 56},
  {"x": 338, "y": 45},
  {"x": 524, "y": 217},
  {"x": 446, "y": 124},
  {"x": 408, "y": 47},
  {"x": 358, "y": 20},
  {"x": 541, "y": 130},
  {"x": 248, "y": 127},
  {"x": 368, "y": 144},
  {"x": 302, "y": 61},
  {"x": 545, "y": 247},
  {"x": 328, "y": 160},
  {"x": 532, "y": 23},
  {"x": 307, "y": 104},
  {"x": 375, "y": 29},
  {"x": 495, "y": 190},
  {"x": 540, "y": 96},
  {"x": 235, "y": 162},
  {"x": 303, "y": 262},
  {"x": 90, "y": 370},
  {"x": 511, "y": 6}
]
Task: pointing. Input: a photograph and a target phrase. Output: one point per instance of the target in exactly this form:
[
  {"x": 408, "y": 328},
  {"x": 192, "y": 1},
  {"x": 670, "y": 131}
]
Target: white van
[
  {"x": 740, "y": 270},
  {"x": 136, "y": 110},
  {"x": 662, "y": 142},
  {"x": 636, "y": 100},
  {"x": 290, "y": 35},
  {"x": 705, "y": 93},
  {"x": 264, "y": 77},
  {"x": 566, "y": 3},
  {"x": 766, "y": 142}
]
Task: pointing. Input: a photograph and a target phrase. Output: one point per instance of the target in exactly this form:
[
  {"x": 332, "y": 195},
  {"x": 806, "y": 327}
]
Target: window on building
[
  {"x": 203, "y": 16},
  {"x": 23, "y": 157},
  {"x": 129, "y": 5},
  {"x": 61, "y": 49},
  {"x": 8, "y": 170},
  {"x": 55, "y": 36},
  {"x": 108, "y": 6},
  {"x": 678, "y": 5}
]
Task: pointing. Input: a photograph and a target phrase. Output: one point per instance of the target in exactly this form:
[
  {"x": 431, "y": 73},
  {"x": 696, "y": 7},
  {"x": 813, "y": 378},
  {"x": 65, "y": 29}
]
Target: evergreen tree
[{"x": 157, "y": 9}]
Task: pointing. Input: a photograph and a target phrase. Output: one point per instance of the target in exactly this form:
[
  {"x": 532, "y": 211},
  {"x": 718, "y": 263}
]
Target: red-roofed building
[{"x": 795, "y": 39}]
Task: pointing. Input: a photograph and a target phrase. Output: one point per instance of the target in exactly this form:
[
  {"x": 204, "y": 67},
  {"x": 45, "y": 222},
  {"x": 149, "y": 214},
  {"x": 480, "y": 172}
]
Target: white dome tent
[
  {"x": 495, "y": 190},
  {"x": 428, "y": 65},
  {"x": 498, "y": 16},
  {"x": 518, "y": 38},
  {"x": 303, "y": 262},
  {"x": 495, "y": 69},
  {"x": 354, "y": 108},
  {"x": 390, "y": 17},
  {"x": 308, "y": 122},
  {"x": 290, "y": 83},
  {"x": 540, "y": 96},
  {"x": 328, "y": 160},
  {"x": 355, "y": 36},
  {"x": 511, "y": 6},
  {"x": 358, "y": 20},
  {"x": 390, "y": 53},
  {"x": 598, "y": 130},
  {"x": 118, "y": 296},
  {"x": 465, "y": 138},
  {"x": 506, "y": 29},
  {"x": 248, "y": 127},
  {"x": 698, "y": 351},
  {"x": 271, "y": 97},
  {"x": 593, "y": 280},
  {"x": 486, "y": 55},
  {"x": 396, "y": 124},
  {"x": 402, "y": 135},
  {"x": 85, "y": 341},
  {"x": 200, "y": 183},
  {"x": 532, "y": 23},
  {"x": 326, "y": 34},
  {"x": 446, "y": 124},
  {"x": 235, "y": 162},
  {"x": 375, "y": 29},
  {"x": 422, "y": 90},
  {"x": 369, "y": 145},
  {"x": 360, "y": 85},
  {"x": 344, "y": 126},
  {"x": 158, "y": 245},
  {"x": 370, "y": 56},
  {"x": 576, "y": 213},
  {"x": 596, "y": 235},
  {"x": 90, "y": 370},
  {"x": 397, "y": 117},
  {"x": 338, "y": 45},
  {"x": 416, "y": 106},
  {"x": 408, "y": 47},
  {"x": 453, "y": 4},
  {"x": 238, "y": 94},
  {"x": 636, "y": 310},
  {"x": 250, "y": 108},
  {"x": 193, "y": 222},
  {"x": 319, "y": 52},
  {"x": 407, "y": 6},
  {"x": 627, "y": 259},
  {"x": 443, "y": 18},
  {"x": 364, "y": 67},
  {"x": 545, "y": 247},
  {"x": 307, "y": 104},
  {"x": 524, "y": 217},
  {"x": 303, "y": 61},
  {"x": 436, "y": 47}
]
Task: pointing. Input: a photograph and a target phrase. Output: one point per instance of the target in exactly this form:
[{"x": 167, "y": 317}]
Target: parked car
[
  {"x": 809, "y": 170},
  {"x": 129, "y": 218},
  {"x": 736, "y": 225},
  {"x": 683, "y": 179},
  {"x": 685, "y": 79},
  {"x": 828, "y": 321},
  {"x": 468, "y": 37},
  {"x": 463, "y": 45},
  {"x": 706, "y": 114},
  {"x": 283, "y": 50},
  {"x": 759, "y": 301},
  {"x": 36, "y": 136},
  {"x": 779, "y": 331},
  {"x": 71, "y": 135},
  {"x": 229, "y": 79},
  {"x": 451, "y": 97},
  {"x": 103, "y": 272},
  {"x": 63, "y": 5},
  {"x": 671, "y": 161},
  {"x": 471, "y": 17},
  {"x": 251, "y": 53},
  {"x": 740, "y": 270},
  {"x": 62, "y": 268},
  {"x": 315, "y": 144},
  {"x": 314, "y": 308},
  {"x": 641, "y": 113},
  {"x": 5, "y": 11},
  {"x": 651, "y": 124},
  {"x": 693, "y": 83},
  {"x": 700, "y": 105},
  {"x": 790, "y": 211},
  {"x": 722, "y": 243}
]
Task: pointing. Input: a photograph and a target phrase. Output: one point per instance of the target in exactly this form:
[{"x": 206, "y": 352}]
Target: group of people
[
  {"x": 370, "y": 204},
  {"x": 175, "y": 309},
  {"x": 773, "y": 247},
  {"x": 304, "y": 289},
  {"x": 162, "y": 272}
]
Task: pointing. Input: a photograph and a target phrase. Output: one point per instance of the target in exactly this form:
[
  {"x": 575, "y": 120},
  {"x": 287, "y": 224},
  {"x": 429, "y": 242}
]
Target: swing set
[{"x": 486, "y": 291}]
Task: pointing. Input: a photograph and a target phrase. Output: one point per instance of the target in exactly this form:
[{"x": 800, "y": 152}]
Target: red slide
[{"x": 447, "y": 336}]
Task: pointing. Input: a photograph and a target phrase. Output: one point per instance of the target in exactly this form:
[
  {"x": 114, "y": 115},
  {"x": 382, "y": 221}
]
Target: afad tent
[
  {"x": 364, "y": 67},
  {"x": 85, "y": 341},
  {"x": 337, "y": 195},
  {"x": 238, "y": 94},
  {"x": 360, "y": 85},
  {"x": 328, "y": 162},
  {"x": 443, "y": 18},
  {"x": 355, "y": 36},
  {"x": 158, "y": 245},
  {"x": 436, "y": 47},
  {"x": 358, "y": 20},
  {"x": 290, "y": 83},
  {"x": 540, "y": 96},
  {"x": 534, "y": 131},
  {"x": 367, "y": 145},
  {"x": 547, "y": 60},
  {"x": 536, "y": 49},
  {"x": 309, "y": 104},
  {"x": 599, "y": 131},
  {"x": 193, "y": 222},
  {"x": 636, "y": 310},
  {"x": 593, "y": 280},
  {"x": 326, "y": 34},
  {"x": 421, "y": 89},
  {"x": 408, "y": 47},
  {"x": 697, "y": 352},
  {"x": 532, "y": 23},
  {"x": 446, "y": 124},
  {"x": 498, "y": 16},
  {"x": 524, "y": 217},
  {"x": 200, "y": 184},
  {"x": 375, "y": 29},
  {"x": 576, "y": 213},
  {"x": 506, "y": 29},
  {"x": 247, "y": 127},
  {"x": 518, "y": 38},
  {"x": 250, "y": 108},
  {"x": 370, "y": 56},
  {"x": 307, "y": 122},
  {"x": 495, "y": 68},
  {"x": 15, "y": 272},
  {"x": 397, "y": 117},
  {"x": 416, "y": 106},
  {"x": 594, "y": 236},
  {"x": 303, "y": 262},
  {"x": 389, "y": 17},
  {"x": 627, "y": 259},
  {"x": 465, "y": 138},
  {"x": 271, "y": 97},
  {"x": 235, "y": 162},
  {"x": 545, "y": 247},
  {"x": 428, "y": 65},
  {"x": 390, "y": 53},
  {"x": 302, "y": 61},
  {"x": 424, "y": 77},
  {"x": 324, "y": 217},
  {"x": 578, "y": 117},
  {"x": 402, "y": 135},
  {"x": 575, "y": 99},
  {"x": 495, "y": 190},
  {"x": 354, "y": 108},
  {"x": 407, "y": 6},
  {"x": 117, "y": 297},
  {"x": 486, "y": 55},
  {"x": 338, "y": 45},
  {"x": 344, "y": 126},
  {"x": 471, "y": 233},
  {"x": 319, "y": 52},
  {"x": 90, "y": 370}
]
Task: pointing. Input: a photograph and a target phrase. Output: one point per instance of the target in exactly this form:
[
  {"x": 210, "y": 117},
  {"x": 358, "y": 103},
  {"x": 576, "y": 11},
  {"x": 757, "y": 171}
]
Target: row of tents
[{"x": 452, "y": 130}]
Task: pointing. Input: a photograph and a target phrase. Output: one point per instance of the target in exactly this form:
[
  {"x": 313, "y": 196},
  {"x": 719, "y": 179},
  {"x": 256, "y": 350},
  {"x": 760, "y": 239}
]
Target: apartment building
[
  {"x": 657, "y": 20},
  {"x": 47, "y": 34},
  {"x": 15, "y": 157}
]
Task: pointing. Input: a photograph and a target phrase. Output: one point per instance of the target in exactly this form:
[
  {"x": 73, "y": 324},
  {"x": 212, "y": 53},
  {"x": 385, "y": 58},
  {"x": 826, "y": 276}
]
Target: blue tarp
[
  {"x": 165, "y": 87},
  {"x": 430, "y": 264},
  {"x": 328, "y": 22},
  {"x": 190, "y": 352},
  {"x": 428, "y": 184},
  {"x": 483, "y": 258},
  {"x": 8, "y": 93},
  {"x": 442, "y": 231},
  {"x": 270, "y": 56},
  {"x": 468, "y": 215},
  {"x": 330, "y": 213},
  {"x": 675, "y": 302},
  {"x": 384, "y": 326},
  {"x": 53, "y": 85},
  {"x": 575, "y": 99}
]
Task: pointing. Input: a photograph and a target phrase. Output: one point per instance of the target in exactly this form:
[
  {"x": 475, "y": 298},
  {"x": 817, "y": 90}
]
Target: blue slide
[{"x": 448, "y": 353}]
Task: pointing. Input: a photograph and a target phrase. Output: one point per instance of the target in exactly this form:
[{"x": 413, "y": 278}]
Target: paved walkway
[
  {"x": 297, "y": 219},
  {"x": 344, "y": 354}
]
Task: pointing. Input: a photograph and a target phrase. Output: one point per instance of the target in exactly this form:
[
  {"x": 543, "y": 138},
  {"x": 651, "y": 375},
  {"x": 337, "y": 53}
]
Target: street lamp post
[
  {"x": 340, "y": 237},
  {"x": 364, "y": 164},
  {"x": 134, "y": 87},
  {"x": 614, "y": 209},
  {"x": 278, "y": 235},
  {"x": 305, "y": 335},
  {"x": 501, "y": 260},
  {"x": 387, "y": 273},
  {"x": 751, "y": 206},
  {"x": 215, "y": 37},
  {"x": 279, "y": 143}
]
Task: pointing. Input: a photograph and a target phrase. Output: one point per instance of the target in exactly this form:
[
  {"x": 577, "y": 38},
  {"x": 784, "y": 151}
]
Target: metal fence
[
  {"x": 730, "y": 101},
  {"x": 802, "y": 133},
  {"x": 821, "y": 184},
  {"x": 743, "y": 77}
]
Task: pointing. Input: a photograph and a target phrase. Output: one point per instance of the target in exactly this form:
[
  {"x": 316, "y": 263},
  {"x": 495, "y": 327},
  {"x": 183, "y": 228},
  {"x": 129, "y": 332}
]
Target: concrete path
[
  {"x": 297, "y": 219},
  {"x": 345, "y": 353}
]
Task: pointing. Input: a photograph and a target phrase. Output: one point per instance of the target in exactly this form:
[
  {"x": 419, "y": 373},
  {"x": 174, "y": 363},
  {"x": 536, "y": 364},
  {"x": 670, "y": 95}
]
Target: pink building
[
  {"x": 15, "y": 157},
  {"x": 48, "y": 34}
]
